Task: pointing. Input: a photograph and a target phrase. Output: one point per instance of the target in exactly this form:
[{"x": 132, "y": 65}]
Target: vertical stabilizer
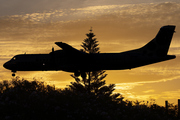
[{"x": 159, "y": 46}]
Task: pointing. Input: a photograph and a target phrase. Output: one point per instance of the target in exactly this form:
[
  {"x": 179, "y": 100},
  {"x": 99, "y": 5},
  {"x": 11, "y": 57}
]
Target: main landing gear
[{"x": 78, "y": 73}]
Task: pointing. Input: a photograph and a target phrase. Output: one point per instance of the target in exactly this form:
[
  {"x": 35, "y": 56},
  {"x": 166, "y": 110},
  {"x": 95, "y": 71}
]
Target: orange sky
[{"x": 118, "y": 27}]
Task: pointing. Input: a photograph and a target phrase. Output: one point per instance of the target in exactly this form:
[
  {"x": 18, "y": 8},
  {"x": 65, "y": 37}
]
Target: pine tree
[{"x": 95, "y": 82}]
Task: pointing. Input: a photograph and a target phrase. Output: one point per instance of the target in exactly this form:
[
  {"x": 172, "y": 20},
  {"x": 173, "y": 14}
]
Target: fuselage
[{"x": 60, "y": 60}]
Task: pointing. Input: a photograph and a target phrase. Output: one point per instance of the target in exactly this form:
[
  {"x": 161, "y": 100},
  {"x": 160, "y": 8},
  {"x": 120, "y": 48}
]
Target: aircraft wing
[{"x": 68, "y": 48}]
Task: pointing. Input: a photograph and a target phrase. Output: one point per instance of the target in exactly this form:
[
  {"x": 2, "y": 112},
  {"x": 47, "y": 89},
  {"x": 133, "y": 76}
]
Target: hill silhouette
[{"x": 35, "y": 100}]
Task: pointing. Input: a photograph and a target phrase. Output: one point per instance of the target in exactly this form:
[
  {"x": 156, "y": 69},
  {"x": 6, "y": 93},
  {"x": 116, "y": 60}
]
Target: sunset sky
[{"x": 34, "y": 26}]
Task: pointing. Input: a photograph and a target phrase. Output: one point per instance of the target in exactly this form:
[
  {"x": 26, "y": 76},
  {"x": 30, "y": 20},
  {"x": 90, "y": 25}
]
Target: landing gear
[
  {"x": 13, "y": 74},
  {"x": 83, "y": 75},
  {"x": 78, "y": 73}
]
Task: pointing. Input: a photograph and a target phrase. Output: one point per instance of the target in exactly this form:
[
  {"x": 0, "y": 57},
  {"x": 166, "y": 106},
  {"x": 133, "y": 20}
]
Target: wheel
[
  {"x": 83, "y": 75},
  {"x": 13, "y": 74},
  {"x": 77, "y": 73}
]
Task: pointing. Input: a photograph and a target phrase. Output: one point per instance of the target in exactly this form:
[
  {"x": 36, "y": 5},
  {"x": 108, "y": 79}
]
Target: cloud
[
  {"x": 149, "y": 91},
  {"x": 171, "y": 94},
  {"x": 12, "y": 7},
  {"x": 161, "y": 90},
  {"x": 129, "y": 86}
]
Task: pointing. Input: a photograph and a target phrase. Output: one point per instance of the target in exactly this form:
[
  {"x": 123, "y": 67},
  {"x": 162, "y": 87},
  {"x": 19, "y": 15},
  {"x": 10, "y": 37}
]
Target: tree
[{"x": 95, "y": 82}]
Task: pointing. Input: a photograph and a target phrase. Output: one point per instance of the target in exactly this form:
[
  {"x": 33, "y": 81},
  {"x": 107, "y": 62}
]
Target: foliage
[
  {"x": 90, "y": 44},
  {"x": 95, "y": 83},
  {"x": 35, "y": 100}
]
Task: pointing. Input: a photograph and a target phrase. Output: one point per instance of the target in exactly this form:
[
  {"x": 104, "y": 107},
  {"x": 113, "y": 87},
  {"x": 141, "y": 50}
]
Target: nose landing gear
[{"x": 13, "y": 74}]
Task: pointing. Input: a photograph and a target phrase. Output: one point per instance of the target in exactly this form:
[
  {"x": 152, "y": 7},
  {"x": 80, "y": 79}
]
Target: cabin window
[{"x": 14, "y": 58}]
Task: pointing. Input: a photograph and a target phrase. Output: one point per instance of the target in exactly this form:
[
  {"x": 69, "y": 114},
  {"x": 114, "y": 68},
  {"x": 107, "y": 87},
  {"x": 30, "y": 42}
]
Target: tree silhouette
[
  {"x": 95, "y": 82},
  {"x": 36, "y": 100}
]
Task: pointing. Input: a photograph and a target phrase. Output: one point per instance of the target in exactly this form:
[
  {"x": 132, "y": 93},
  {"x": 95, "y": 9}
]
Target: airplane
[{"x": 70, "y": 59}]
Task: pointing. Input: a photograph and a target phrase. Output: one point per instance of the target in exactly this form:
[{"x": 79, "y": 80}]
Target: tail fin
[{"x": 159, "y": 46}]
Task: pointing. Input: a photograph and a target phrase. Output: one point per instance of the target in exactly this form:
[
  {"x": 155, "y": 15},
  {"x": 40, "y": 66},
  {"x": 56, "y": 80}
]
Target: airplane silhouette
[{"x": 70, "y": 59}]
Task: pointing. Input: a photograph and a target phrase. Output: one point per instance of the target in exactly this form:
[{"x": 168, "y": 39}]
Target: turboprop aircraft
[{"x": 70, "y": 59}]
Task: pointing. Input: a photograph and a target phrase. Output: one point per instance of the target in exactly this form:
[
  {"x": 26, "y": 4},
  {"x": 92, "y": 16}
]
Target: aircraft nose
[
  {"x": 5, "y": 65},
  {"x": 8, "y": 65}
]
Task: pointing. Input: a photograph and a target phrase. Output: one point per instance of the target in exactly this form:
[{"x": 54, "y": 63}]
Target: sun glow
[{"x": 118, "y": 28}]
